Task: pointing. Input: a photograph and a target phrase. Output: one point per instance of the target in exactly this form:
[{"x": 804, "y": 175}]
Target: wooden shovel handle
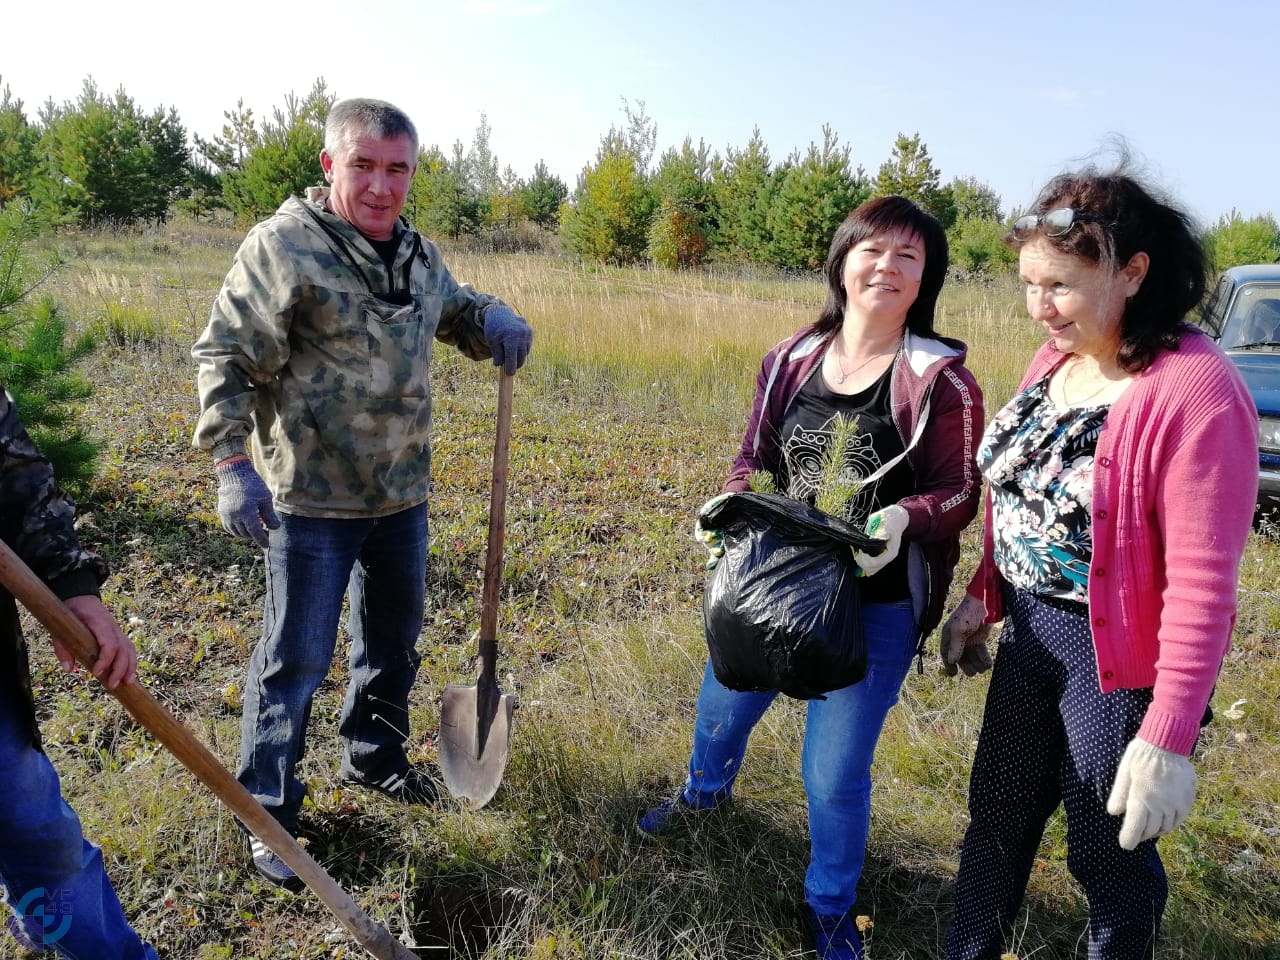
[
  {"x": 63, "y": 624},
  {"x": 497, "y": 526}
]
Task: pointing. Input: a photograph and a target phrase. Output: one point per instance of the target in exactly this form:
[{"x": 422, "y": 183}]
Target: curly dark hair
[
  {"x": 884, "y": 215},
  {"x": 1126, "y": 217}
]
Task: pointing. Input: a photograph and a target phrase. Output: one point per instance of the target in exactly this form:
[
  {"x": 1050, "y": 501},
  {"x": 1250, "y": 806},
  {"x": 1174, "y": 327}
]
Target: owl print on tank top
[{"x": 805, "y": 455}]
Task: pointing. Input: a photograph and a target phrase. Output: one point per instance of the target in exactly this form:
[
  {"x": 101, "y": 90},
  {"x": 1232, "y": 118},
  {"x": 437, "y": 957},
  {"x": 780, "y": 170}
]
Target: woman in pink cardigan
[{"x": 1121, "y": 484}]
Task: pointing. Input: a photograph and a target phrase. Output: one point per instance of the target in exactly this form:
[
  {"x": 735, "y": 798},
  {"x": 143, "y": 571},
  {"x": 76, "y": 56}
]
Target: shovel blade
[{"x": 471, "y": 767}]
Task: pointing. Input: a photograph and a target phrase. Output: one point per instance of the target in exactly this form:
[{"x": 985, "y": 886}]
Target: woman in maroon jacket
[{"x": 872, "y": 354}]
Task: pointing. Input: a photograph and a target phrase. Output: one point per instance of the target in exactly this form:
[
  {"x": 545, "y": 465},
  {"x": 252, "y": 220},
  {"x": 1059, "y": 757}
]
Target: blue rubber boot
[{"x": 835, "y": 938}]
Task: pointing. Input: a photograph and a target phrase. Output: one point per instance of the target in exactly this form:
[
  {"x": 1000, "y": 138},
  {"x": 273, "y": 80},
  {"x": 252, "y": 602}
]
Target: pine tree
[
  {"x": 285, "y": 160},
  {"x": 36, "y": 362},
  {"x": 910, "y": 173},
  {"x": 239, "y": 136},
  {"x": 441, "y": 202},
  {"x": 745, "y": 186},
  {"x": 19, "y": 150},
  {"x": 105, "y": 161},
  {"x": 541, "y": 197},
  {"x": 815, "y": 193}
]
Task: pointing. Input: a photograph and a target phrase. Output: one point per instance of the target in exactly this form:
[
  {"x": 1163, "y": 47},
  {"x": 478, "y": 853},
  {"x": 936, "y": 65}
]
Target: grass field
[{"x": 626, "y": 419}]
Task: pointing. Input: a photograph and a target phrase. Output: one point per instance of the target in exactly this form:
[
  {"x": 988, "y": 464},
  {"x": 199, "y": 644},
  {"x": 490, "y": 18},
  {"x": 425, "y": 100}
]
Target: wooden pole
[{"x": 63, "y": 624}]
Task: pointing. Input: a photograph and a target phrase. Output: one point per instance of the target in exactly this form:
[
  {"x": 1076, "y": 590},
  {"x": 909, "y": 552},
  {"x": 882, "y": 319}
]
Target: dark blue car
[{"x": 1243, "y": 315}]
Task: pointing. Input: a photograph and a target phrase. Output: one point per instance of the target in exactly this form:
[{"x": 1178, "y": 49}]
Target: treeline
[
  {"x": 695, "y": 205},
  {"x": 103, "y": 160}
]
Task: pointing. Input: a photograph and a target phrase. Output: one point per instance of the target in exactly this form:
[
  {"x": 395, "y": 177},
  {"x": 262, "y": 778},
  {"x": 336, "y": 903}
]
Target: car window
[{"x": 1255, "y": 317}]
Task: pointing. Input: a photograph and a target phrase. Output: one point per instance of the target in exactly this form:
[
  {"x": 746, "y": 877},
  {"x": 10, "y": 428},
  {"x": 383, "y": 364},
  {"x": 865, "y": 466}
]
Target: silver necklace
[{"x": 845, "y": 376}]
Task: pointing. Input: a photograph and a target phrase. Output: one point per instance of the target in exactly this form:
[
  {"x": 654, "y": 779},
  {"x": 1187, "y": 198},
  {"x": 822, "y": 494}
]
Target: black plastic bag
[{"x": 781, "y": 608}]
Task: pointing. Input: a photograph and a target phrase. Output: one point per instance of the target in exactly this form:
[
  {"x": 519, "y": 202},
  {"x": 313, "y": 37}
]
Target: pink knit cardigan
[{"x": 1175, "y": 482}]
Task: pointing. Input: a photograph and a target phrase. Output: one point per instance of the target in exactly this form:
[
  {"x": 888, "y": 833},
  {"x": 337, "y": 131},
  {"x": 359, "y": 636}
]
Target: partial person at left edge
[
  {"x": 47, "y": 867},
  {"x": 319, "y": 349}
]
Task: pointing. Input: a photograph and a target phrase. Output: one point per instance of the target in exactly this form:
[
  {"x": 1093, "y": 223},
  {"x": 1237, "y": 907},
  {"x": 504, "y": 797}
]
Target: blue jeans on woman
[
  {"x": 51, "y": 873},
  {"x": 380, "y": 565},
  {"x": 839, "y": 741}
]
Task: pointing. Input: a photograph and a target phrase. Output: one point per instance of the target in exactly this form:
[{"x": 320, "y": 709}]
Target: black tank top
[{"x": 806, "y": 434}]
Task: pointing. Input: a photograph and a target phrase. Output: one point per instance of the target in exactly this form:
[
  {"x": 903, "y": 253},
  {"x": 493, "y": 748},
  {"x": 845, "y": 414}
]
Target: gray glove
[
  {"x": 509, "y": 337},
  {"x": 964, "y": 639},
  {"x": 244, "y": 502}
]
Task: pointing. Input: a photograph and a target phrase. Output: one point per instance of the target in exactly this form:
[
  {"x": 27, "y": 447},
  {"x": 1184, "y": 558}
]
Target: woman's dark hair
[
  {"x": 886, "y": 215},
  {"x": 1127, "y": 217}
]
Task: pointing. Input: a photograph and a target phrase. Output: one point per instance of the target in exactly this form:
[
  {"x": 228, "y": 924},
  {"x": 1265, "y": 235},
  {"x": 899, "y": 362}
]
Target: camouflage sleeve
[
  {"x": 462, "y": 311},
  {"x": 246, "y": 341},
  {"x": 37, "y": 520}
]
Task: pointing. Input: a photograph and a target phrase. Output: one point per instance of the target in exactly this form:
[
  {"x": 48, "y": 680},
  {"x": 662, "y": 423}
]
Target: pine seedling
[
  {"x": 835, "y": 487},
  {"x": 762, "y": 481}
]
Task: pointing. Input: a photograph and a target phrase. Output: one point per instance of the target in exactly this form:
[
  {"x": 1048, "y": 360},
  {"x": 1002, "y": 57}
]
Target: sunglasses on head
[{"x": 1056, "y": 223}]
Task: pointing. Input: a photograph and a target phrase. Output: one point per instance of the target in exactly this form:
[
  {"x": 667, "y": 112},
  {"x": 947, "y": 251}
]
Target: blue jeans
[
  {"x": 42, "y": 848},
  {"x": 839, "y": 740},
  {"x": 380, "y": 565}
]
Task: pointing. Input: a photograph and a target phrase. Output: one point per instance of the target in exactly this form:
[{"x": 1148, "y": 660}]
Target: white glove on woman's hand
[
  {"x": 1154, "y": 789},
  {"x": 964, "y": 638},
  {"x": 710, "y": 537},
  {"x": 887, "y": 525}
]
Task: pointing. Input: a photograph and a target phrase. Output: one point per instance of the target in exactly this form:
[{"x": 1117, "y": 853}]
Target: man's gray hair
[{"x": 359, "y": 116}]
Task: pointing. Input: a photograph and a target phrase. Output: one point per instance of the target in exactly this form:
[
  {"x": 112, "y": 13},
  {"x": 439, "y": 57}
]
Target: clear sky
[{"x": 1007, "y": 92}]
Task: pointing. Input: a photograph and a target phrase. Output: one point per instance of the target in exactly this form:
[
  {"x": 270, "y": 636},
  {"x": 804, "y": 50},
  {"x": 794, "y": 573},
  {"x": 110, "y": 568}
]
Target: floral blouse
[{"x": 1038, "y": 460}]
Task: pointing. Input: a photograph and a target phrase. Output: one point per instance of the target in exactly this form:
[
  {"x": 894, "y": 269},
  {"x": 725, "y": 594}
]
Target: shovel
[
  {"x": 165, "y": 727},
  {"x": 475, "y": 721}
]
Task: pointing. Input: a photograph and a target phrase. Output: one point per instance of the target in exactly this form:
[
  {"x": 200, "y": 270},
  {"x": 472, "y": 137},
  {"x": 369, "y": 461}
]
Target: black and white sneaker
[
  {"x": 269, "y": 864},
  {"x": 410, "y": 785}
]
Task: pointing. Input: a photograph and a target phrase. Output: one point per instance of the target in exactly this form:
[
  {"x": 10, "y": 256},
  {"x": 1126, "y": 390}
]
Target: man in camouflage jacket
[
  {"x": 319, "y": 348},
  {"x": 47, "y": 867}
]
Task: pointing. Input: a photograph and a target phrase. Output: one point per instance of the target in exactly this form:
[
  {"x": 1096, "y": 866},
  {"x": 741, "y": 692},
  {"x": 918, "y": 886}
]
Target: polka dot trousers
[{"x": 1050, "y": 737}]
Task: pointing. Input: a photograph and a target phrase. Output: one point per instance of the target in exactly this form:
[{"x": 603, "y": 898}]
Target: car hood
[{"x": 1261, "y": 373}]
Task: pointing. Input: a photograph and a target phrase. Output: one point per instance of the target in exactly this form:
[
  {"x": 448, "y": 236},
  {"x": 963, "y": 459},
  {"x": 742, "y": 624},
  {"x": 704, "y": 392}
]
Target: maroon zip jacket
[{"x": 932, "y": 391}]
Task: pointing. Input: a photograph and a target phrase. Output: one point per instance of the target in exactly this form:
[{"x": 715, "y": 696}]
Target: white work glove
[
  {"x": 964, "y": 639},
  {"x": 710, "y": 537},
  {"x": 887, "y": 525},
  {"x": 1154, "y": 789}
]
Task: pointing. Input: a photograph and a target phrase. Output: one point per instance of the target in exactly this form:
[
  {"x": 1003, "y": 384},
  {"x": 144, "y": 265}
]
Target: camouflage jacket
[
  {"x": 37, "y": 522},
  {"x": 322, "y": 355}
]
